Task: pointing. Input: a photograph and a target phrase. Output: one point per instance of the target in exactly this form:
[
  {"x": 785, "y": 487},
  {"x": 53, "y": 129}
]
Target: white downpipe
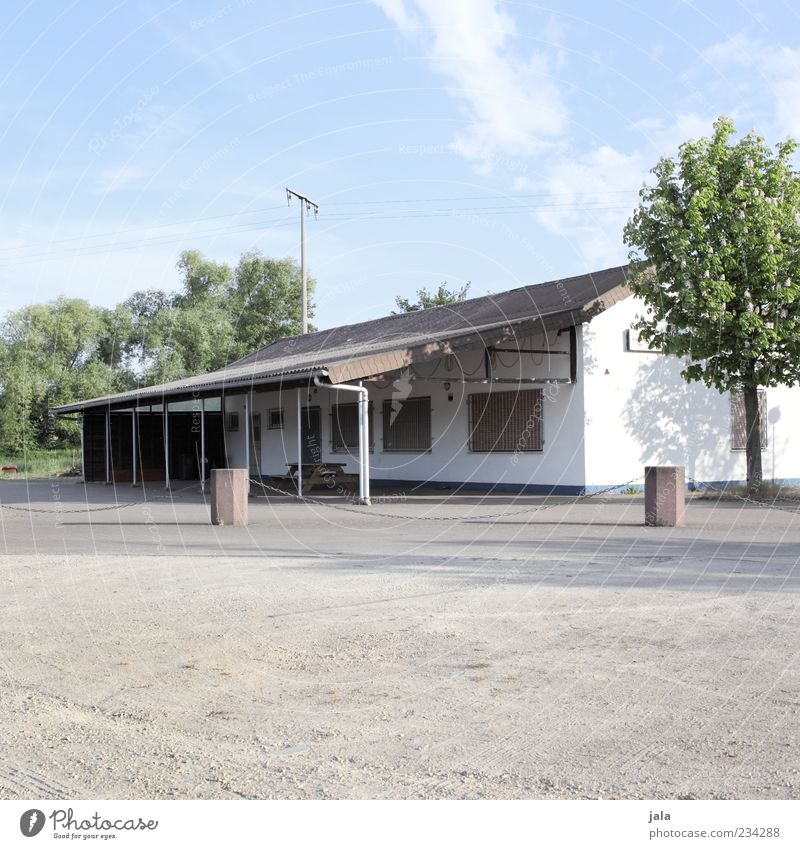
[{"x": 363, "y": 434}]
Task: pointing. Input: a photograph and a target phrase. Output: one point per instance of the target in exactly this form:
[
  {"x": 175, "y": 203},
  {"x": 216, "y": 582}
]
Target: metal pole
[
  {"x": 203, "y": 444},
  {"x": 361, "y": 444},
  {"x": 166, "y": 445},
  {"x": 133, "y": 439},
  {"x": 305, "y": 205},
  {"x": 299, "y": 443},
  {"x": 304, "y": 279},
  {"x": 224, "y": 428},
  {"x": 364, "y": 401},
  {"x": 83, "y": 446},
  {"x": 108, "y": 446},
  {"x": 247, "y": 439}
]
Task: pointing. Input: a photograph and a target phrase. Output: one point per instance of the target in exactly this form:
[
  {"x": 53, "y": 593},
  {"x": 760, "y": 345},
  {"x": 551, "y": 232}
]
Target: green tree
[
  {"x": 427, "y": 299},
  {"x": 264, "y": 299},
  {"x": 51, "y": 354},
  {"x": 715, "y": 256},
  {"x": 203, "y": 279}
]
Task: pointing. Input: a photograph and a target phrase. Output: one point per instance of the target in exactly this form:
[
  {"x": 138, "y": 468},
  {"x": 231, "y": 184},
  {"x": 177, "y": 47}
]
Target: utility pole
[{"x": 306, "y": 205}]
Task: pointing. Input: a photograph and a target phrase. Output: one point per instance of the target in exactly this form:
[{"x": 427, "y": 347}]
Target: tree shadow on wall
[{"x": 678, "y": 423}]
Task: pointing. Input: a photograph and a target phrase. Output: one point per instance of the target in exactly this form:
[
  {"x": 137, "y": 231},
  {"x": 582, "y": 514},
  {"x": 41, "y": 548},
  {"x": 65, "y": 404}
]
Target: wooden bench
[{"x": 328, "y": 475}]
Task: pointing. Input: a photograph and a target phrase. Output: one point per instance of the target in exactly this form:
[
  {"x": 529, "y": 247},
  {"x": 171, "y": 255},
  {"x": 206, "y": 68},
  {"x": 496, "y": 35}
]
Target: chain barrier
[
  {"x": 88, "y": 509},
  {"x": 578, "y": 499},
  {"x": 470, "y": 518}
]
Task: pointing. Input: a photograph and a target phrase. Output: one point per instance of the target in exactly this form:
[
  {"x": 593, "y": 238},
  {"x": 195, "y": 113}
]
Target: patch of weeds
[{"x": 769, "y": 492}]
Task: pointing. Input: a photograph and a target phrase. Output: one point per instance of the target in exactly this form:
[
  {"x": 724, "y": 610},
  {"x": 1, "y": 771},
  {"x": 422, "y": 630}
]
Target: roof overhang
[
  {"x": 188, "y": 391},
  {"x": 341, "y": 366}
]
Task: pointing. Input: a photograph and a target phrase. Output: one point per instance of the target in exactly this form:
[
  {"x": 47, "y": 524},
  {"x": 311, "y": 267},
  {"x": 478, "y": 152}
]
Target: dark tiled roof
[
  {"x": 504, "y": 308},
  {"x": 373, "y": 347}
]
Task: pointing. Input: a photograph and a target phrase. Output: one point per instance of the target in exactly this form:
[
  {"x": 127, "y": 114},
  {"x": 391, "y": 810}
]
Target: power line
[
  {"x": 339, "y": 218},
  {"x": 484, "y": 197},
  {"x": 88, "y": 237},
  {"x": 148, "y": 227}
]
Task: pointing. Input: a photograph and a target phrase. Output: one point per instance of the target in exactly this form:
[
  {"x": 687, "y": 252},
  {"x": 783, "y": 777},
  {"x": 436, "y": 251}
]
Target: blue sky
[{"x": 497, "y": 142}]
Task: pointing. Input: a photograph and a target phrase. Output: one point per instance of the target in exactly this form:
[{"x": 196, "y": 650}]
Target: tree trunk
[{"x": 752, "y": 415}]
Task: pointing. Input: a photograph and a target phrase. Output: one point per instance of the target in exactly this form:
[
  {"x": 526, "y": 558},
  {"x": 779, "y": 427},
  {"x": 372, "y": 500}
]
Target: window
[
  {"x": 275, "y": 419},
  {"x": 345, "y": 427},
  {"x": 506, "y": 421},
  {"x": 739, "y": 423},
  {"x": 407, "y": 424},
  {"x": 233, "y": 422}
]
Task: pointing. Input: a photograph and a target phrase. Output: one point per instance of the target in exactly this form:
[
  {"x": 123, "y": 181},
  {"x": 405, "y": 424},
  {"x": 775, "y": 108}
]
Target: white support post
[
  {"x": 83, "y": 447},
  {"x": 133, "y": 440},
  {"x": 247, "y": 439},
  {"x": 203, "y": 444},
  {"x": 224, "y": 428},
  {"x": 166, "y": 444},
  {"x": 364, "y": 439},
  {"x": 108, "y": 446},
  {"x": 363, "y": 433},
  {"x": 299, "y": 442}
]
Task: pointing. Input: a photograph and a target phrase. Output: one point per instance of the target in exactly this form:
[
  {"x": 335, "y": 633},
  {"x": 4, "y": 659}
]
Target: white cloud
[
  {"x": 116, "y": 178},
  {"x": 591, "y": 195},
  {"x": 773, "y": 75},
  {"x": 513, "y": 106}
]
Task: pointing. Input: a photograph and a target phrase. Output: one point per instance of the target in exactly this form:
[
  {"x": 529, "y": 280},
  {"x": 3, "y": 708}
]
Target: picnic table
[{"x": 320, "y": 474}]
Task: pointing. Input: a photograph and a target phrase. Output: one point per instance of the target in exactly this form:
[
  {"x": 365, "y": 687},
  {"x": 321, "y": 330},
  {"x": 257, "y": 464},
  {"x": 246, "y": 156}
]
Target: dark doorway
[
  {"x": 184, "y": 445},
  {"x": 311, "y": 435}
]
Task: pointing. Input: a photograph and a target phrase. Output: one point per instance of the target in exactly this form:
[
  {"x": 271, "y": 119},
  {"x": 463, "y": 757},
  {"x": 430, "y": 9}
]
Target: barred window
[
  {"x": 407, "y": 424},
  {"x": 345, "y": 427},
  {"x": 739, "y": 420},
  {"x": 506, "y": 421}
]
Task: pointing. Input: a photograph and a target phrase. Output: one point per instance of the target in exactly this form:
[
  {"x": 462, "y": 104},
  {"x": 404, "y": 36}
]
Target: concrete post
[
  {"x": 229, "y": 497},
  {"x": 664, "y": 496}
]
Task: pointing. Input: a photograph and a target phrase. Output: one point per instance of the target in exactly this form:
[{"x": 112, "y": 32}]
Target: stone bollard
[
  {"x": 664, "y": 497},
  {"x": 229, "y": 490}
]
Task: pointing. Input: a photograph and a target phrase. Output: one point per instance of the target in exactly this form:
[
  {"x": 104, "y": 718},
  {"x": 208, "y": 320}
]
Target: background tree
[
  {"x": 716, "y": 258},
  {"x": 265, "y": 301},
  {"x": 51, "y": 354},
  {"x": 426, "y": 299},
  {"x": 63, "y": 351}
]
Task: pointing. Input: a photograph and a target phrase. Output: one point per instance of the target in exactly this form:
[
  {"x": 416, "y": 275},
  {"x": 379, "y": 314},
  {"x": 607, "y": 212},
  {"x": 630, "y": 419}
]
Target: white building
[{"x": 540, "y": 389}]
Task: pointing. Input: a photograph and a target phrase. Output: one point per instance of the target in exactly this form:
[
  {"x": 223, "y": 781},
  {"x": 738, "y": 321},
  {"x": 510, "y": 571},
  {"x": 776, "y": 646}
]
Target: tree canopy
[
  {"x": 67, "y": 349},
  {"x": 427, "y": 299},
  {"x": 715, "y": 256}
]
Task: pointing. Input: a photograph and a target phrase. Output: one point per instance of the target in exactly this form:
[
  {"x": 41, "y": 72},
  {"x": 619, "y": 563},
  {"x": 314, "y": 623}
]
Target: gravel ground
[{"x": 569, "y": 653}]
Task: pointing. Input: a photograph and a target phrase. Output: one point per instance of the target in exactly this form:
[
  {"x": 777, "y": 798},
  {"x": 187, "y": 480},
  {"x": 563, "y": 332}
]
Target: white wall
[
  {"x": 561, "y": 463},
  {"x": 639, "y": 411}
]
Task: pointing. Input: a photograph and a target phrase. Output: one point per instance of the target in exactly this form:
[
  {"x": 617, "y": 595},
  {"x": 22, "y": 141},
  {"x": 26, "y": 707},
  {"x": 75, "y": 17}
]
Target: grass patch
[
  {"x": 40, "y": 463},
  {"x": 769, "y": 492}
]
